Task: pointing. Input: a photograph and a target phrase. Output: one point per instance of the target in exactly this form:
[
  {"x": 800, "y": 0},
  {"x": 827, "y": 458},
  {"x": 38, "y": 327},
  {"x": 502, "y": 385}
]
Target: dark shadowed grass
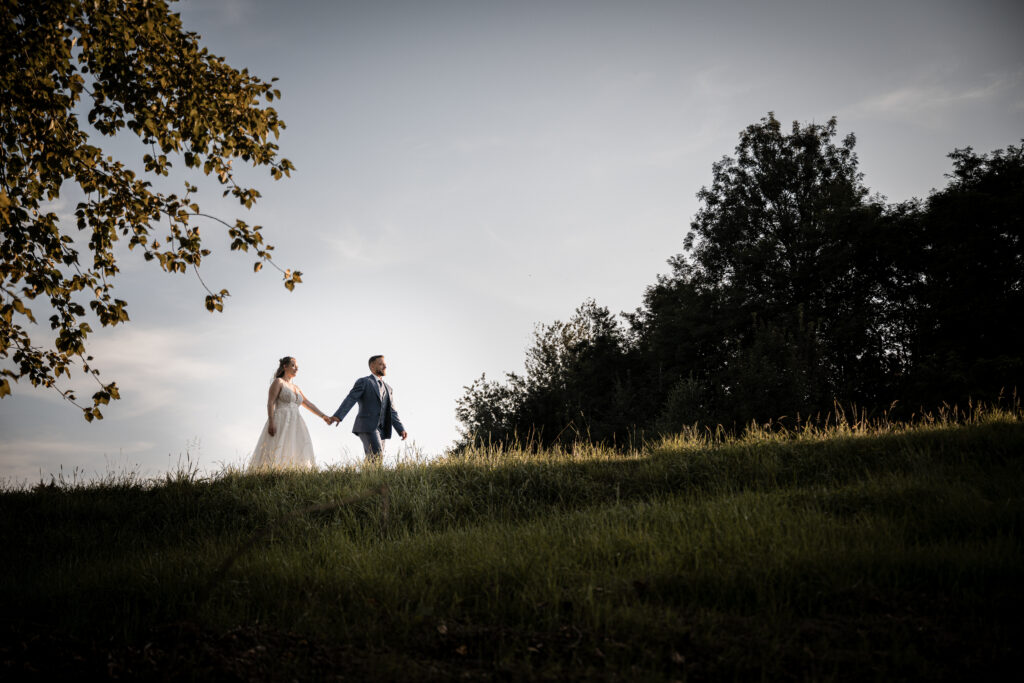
[{"x": 866, "y": 551}]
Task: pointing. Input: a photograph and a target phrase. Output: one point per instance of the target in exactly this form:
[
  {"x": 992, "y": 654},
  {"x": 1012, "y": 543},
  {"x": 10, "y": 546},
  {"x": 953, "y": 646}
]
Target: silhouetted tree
[
  {"x": 969, "y": 289},
  {"x": 576, "y": 385},
  {"x": 488, "y": 411},
  {"x": 779, "y": 304},
  {"x": 681, "y": 341}
]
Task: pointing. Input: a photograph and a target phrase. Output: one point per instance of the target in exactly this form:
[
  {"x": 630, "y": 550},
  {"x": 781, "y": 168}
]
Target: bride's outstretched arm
[{"x": 309, "y": 404}]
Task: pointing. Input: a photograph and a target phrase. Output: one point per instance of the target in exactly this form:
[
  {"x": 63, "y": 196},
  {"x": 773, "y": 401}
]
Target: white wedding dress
[{"x": 291, "y": 446}]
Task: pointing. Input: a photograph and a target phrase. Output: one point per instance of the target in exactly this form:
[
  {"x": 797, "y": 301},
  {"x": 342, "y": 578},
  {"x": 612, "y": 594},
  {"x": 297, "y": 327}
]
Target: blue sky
[{"x": 466, "y": 170}]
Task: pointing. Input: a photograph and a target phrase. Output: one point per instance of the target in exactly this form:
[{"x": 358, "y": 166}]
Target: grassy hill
[{"x": 849, "y": 553}]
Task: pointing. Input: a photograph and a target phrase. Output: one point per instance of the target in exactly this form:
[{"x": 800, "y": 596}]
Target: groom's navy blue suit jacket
[{"x": 373, "y": 411}]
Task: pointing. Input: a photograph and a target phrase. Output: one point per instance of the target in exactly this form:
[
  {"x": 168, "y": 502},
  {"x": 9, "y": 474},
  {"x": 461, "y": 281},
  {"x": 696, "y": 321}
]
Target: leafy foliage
[
  {"x": 970, "y": 289},
  {"x": 575, "y": 383},
  {"x": 783, "y": 276},
  {"x": 117, "y": 64}
]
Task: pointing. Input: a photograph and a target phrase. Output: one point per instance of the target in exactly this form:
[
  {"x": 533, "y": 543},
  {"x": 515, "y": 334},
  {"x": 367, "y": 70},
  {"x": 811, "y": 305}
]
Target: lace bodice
[{"x": 287, "y": 398}]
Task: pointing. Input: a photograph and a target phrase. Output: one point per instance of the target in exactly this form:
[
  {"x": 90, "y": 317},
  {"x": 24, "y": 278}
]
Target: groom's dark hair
[{"x": 373, "y": 358}]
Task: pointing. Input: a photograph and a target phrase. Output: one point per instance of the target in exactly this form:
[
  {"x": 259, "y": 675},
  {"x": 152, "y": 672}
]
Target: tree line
[{"x": 799, "y": 292}]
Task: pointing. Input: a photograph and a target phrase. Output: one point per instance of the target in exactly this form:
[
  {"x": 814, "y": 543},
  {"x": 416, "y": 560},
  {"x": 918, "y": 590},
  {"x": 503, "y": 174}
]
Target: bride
[{"x": 285, "y": 442}]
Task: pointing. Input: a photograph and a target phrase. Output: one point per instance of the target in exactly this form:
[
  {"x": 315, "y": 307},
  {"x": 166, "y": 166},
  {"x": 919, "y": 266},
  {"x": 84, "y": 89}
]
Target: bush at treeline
[{"x": 798, "y": 291}]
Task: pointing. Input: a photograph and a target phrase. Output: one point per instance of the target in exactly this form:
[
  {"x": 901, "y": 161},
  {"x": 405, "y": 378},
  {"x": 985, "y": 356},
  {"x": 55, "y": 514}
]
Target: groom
[{"x": 377, "y": 412}]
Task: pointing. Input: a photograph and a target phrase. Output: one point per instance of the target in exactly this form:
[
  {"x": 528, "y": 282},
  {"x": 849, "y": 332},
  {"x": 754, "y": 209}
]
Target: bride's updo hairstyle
[{"x": 281, "y": 365}]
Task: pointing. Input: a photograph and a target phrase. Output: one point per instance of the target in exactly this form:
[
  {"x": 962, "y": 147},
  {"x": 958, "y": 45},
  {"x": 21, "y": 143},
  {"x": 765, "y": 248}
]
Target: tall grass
[{"x": 852, "y": 549}]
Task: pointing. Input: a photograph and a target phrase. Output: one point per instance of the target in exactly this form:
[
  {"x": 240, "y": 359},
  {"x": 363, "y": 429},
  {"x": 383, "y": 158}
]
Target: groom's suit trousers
[{"x": 373, "y": 446}]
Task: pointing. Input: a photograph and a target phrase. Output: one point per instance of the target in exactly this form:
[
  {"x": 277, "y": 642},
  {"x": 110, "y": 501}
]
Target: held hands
[{"x": 331, "y": 420}]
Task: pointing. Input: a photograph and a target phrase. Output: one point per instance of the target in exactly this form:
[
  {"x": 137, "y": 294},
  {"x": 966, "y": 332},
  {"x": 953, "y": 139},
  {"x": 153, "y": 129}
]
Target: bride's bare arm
[
  {"x": 275, "y": 389},
  {"x": 309, "y": 404}
]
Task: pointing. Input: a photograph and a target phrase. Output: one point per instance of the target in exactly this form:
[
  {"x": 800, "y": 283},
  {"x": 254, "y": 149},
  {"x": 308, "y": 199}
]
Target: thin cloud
[{"x": 912, "y": 100}]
